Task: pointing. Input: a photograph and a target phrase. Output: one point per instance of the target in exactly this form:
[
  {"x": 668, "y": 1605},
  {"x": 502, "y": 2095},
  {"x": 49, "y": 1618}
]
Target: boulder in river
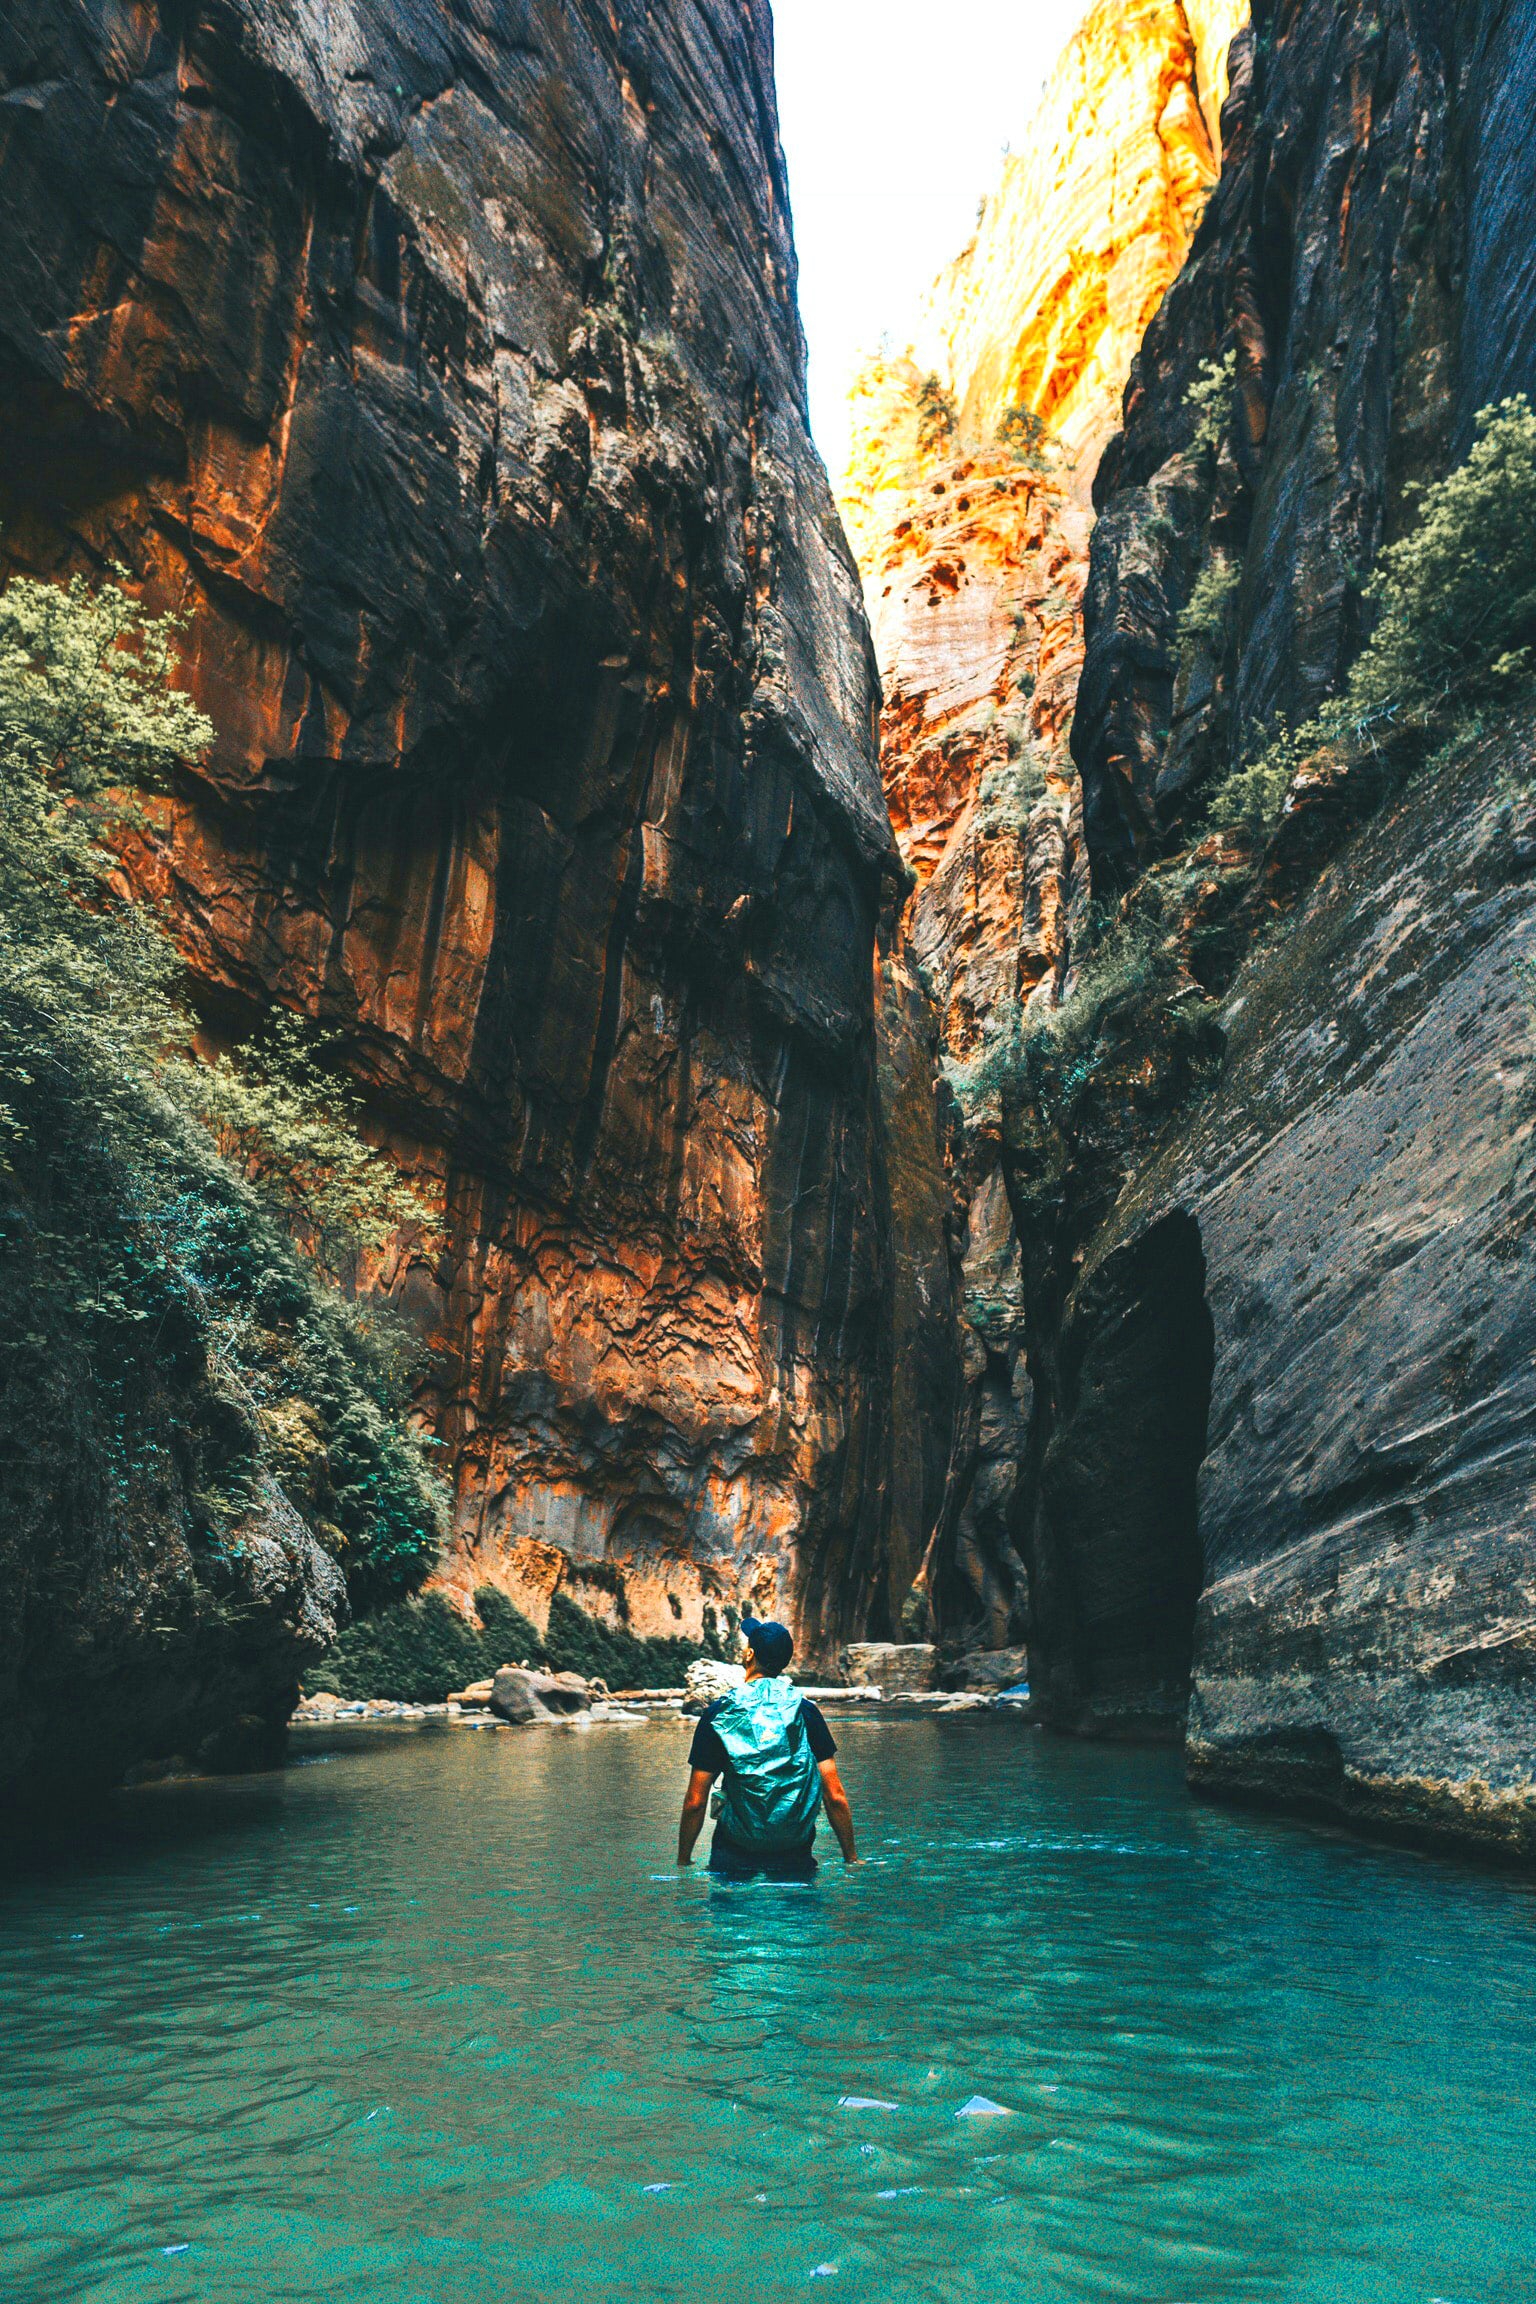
[
  {"x": 525, "y": 1697},
  {"x": 895, "y": 1668},
  {"x": 708, "y": 1678}
]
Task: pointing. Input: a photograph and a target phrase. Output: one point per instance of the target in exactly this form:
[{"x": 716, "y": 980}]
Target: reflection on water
[{"x": 431, "y": 2018}]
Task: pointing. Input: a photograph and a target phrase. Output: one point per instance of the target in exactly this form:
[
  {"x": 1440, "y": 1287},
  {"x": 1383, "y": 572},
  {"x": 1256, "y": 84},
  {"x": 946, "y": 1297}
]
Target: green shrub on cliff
[
  {"x": 289, "y": 1127},
  {"x": 1026, "y": 437},
  {"x": 1251, "y": 798},
  {"x": 144, "y": 1280},
  {"x": 1011, "y": 789},
  {"x": 1210, "y": 398},
  {"x": 85, "y": 979},
  {"x": 1077, "y": 1088},
  {"x": 935, "y": 416},
  {"x": 1456, "y": 626},
  {"x": 1134, "y": 1034},
  {"x": 1457, "y": 594},
  {"x": 1202, "y": 621}
]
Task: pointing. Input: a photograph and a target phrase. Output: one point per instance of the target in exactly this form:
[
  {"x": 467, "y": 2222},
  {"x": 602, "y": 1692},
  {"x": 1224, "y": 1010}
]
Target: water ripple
[{"x": 431, "y": 2020}]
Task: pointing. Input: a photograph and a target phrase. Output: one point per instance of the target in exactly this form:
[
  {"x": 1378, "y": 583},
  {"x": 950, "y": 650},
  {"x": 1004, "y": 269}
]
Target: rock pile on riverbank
[
  {"x": 476, "y": 1707},
  {"x": 890, "y": 1677}
]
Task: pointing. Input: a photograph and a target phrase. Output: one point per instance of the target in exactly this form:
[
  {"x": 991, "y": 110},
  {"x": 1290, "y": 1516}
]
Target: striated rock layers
[
  {"x": 1330, "y": 1259},
  {"x": 1281, "y": 1450},
  {"x": 966, "y": 502},
  {"x": 443, "y": 366},
  {"x": 1046, "y": 307}
]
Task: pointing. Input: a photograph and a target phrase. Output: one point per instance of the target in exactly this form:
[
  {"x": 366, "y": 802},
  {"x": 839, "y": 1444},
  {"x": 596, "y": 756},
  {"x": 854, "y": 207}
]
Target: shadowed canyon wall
[
  {"x": 441, "y": 363},
  {"x": 1351, "y": 1181},
  {"x": 1241, "y": 1130},
  {"x": 966, "y": 500}
]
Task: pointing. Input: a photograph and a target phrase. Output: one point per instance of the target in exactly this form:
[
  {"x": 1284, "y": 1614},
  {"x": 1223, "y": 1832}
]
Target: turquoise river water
[{"x": 431, "y": 2018}]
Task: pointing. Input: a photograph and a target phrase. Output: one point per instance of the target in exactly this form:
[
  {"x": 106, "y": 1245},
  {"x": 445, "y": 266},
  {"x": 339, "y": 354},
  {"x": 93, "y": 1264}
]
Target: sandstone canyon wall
[
  {"x": 1280, "y": 1343},
  {"x": 1091, "y": 219},
  {"x": 441, "y": 364},
  {"x": 1240, "y": 1128},
  {"x": 966, "y": 500}
]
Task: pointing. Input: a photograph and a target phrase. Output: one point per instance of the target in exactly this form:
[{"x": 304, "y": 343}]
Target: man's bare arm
[
  {"x": 695, "y": 1808},
  {"x": 839, "y": 1815}
]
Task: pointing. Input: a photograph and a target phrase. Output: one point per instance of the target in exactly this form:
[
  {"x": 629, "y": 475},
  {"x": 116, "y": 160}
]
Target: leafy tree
[
  {"x": 935, "y": 416},
  {"x": 1456, "y": 601},
  {"x": 1026, "y": 436}
]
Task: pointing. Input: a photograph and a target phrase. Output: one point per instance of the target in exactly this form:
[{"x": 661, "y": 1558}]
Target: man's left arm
[
  {"x": 695, "y": 1808},
  {"x": 839, "y": 1815}
]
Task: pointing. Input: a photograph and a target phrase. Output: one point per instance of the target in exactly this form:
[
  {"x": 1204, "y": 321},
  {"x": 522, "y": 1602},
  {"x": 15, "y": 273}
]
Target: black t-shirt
[{"x": 707, "y": 1751}]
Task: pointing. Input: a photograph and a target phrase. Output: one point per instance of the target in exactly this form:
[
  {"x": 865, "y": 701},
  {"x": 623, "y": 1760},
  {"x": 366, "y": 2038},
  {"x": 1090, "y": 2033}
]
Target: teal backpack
[{"x": 771, "y": 1791}]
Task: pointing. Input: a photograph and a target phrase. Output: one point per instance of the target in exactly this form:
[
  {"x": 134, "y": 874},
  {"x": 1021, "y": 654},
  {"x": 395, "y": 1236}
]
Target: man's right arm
[
  {"x": 695, "y": 1806},
  {"x": 839, "y": 1815}
]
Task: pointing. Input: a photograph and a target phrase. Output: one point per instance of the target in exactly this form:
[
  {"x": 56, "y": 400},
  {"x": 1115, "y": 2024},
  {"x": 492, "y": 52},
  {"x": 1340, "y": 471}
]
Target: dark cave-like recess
[{"x": 1119, "y": 1518}]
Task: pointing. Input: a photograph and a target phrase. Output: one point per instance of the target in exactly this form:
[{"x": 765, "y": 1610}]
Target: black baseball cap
[{"x": 772, "y": 1644}]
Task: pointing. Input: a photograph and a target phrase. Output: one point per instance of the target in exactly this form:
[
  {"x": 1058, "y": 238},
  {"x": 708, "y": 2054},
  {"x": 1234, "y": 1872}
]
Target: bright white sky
[{"x": 894, "y": 116}]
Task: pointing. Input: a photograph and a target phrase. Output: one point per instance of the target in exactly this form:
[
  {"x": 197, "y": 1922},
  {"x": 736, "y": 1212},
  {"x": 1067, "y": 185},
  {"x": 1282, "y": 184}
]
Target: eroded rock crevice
[{"x": 1119, "y": 1563}]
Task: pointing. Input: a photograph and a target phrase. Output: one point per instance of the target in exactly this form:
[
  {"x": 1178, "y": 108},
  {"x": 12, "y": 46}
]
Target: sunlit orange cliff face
[
  {"x": 967, "y": 498},
  {"x": 452, "y": 386}
]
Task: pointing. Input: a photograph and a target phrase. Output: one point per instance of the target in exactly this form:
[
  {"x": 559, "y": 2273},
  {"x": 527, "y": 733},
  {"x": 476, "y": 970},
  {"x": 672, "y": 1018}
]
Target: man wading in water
[{"x": 775, "y": 1752}]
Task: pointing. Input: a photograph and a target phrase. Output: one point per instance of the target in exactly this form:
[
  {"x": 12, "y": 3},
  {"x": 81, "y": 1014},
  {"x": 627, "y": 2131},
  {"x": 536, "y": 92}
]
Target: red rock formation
[
  {"x": 1091, "y": 219},
  {"x": 967, "y": 502},
  {"x": 443, "y": 367}
]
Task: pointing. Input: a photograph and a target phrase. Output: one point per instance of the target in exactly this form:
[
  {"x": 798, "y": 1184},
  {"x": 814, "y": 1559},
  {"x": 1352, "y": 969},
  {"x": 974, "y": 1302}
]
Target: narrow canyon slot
[
  {"x": 1118, "y": 1535},
  {"x": 767, "y": 1150}
]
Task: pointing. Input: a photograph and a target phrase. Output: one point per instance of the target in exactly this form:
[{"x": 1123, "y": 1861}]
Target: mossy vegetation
[
  {"x": 578, "y": 1642},
  {"x": 1138, "y": 1030},
  {"x": 936, "y": 421},
  {"x": 419, "y": 1651},
  {"x": 1026, "y": 437},
  {"x": 1011, "y": 789},
  {"x": 168, "y": 1354},
  {"x": 1135, "y": 1032},
  {"x": 1455, "y": 633}
]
